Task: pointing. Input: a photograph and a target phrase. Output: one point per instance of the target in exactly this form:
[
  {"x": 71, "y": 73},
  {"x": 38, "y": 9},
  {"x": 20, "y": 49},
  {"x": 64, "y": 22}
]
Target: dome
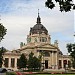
[{"x": 38, "y": 28}]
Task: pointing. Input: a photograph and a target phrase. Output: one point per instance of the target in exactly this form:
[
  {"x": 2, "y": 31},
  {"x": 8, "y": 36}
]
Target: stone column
[
  {"x": 56, "y": 61},
  {"x": 9, "y": 65},
  {"x": 52, "y": 60},
  {"x": 15, "y": 62},
  {"x": 62, "y": 63}
]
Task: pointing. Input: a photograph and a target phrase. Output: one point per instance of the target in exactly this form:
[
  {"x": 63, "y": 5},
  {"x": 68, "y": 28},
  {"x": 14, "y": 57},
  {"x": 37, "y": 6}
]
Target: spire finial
[
  {"x": 74, "y": 37},
  {"x": 38, "y": 12},
  {"x": 38, "y": 18},
  {"x": 0, "y": 18}
]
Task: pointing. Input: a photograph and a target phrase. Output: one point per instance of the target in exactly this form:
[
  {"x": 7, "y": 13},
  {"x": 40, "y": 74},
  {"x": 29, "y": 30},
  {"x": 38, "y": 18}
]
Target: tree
[
  {"x": 33, "y": 62},
  {"x": 22, "y": 62},
  {"x": 30, "y": 61},
  {"x": 41, "y": 58},
  {"x": 37, "y": 63},
  {"x": 71, "y": 50},
  {"x": 3, "y": 31},
  {"x": 65, "y": 5},
  {"x": 2, "y": 51}
]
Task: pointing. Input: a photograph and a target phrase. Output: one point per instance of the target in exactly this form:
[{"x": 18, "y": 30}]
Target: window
[
  {"x": 6, "y": 62},
  {"x": 47, "y": 54},
  {"x": 17, "y": 63},
  {"x": 60, "y": 66},
  {"x": 35, "y": 39},
  {"x": 28, "y": 40},
  {"x": 12, "y": 62},
  {"x": 64, "y": 63},
  {"x": 40, "y": 39},
  {"x": 43, "y": 39}
]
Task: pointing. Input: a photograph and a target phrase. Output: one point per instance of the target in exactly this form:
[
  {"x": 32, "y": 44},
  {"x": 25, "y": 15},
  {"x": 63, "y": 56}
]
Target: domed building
[{"x": 38, "y": 40}]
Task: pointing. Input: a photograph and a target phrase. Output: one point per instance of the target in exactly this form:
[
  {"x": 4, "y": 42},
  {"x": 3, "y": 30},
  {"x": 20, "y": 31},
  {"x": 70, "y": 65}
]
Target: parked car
[
  {"x": 3, "y": 70},
  {"x": 10, "y": 70}
]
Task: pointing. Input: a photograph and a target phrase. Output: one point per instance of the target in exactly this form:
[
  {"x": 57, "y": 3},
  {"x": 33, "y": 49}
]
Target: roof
[
  {"x": 40, "y": 46},
  {"x": 38, "y": 28}
]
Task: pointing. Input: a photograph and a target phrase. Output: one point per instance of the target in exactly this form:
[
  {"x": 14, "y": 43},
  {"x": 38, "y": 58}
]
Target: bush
[{"x": 11, "y": 73}]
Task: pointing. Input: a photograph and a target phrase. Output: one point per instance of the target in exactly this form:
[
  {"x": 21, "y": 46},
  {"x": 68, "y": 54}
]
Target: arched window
[
  {"x": 6, "y": 62},
  {"x": 35, "y": 39},
  {"x": 43, "y": 39},
  {"x": 28, "y": 40},
  {"x": 47, "y": 54}
]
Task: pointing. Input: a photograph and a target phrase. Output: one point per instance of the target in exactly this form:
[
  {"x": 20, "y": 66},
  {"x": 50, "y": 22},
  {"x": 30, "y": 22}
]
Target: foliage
[
  {"x": 71, "y": 50},
  {"x": 50, "y": 74},
  {"x": 33, "y": 62},
  {"x": 3, "y": 31},
  {"x": 22, "y": 61},
  {"x": 11, "y": 73},
  {"x": 2, "y": 50},
  {"x": 42, "y": 54},
  {"x": 37, "y": 63},
  {"x": 65, "y": 5}
]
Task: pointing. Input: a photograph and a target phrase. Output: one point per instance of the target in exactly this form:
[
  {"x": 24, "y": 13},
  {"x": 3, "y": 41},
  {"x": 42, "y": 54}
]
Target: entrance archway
[{"x": 46, "y": 64}]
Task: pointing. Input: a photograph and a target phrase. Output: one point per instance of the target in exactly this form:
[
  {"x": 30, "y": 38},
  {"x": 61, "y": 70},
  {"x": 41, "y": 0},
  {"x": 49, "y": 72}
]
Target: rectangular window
[
  {"x": 64, "y": 63},
  {"x": 17, "y": 63},
  {"x": 12, "y": 62},
  {"x": 60, "y": 62},
  {"x": 6, "y": 62},
  {"x": 40, "y": 39}
]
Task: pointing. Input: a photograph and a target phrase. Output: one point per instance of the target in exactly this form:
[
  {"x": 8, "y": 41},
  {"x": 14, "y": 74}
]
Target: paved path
[
  {"x": 2, "y": 73},
  {"x": 18, "y": 73},
  {"x": 24, "y": 73}
]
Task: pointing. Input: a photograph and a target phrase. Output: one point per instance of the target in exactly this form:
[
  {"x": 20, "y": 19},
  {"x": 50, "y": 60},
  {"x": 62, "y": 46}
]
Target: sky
[{"x": 19, "y": 15}]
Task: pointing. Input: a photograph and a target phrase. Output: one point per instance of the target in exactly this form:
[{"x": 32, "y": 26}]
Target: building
[{"x": 38, "y": 40}]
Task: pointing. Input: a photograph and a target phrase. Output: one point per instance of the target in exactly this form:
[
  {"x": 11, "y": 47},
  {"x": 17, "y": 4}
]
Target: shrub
[{"x": 11, "y": 73}]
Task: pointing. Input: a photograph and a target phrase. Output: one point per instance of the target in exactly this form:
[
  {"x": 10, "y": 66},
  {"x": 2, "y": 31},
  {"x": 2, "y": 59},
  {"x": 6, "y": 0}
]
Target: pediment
[
  {"x": 48, "y": 46},
  {"x": 43, "y": 46}
]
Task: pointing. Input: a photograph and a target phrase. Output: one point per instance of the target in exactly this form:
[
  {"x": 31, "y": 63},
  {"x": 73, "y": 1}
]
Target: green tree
[
  {"x": 2, "y": 51},
  {"x": 65, "y": 5},
  {"x": 36, "y": 63},
  {"x": 3, "y": 31},
  {"x": 22, "y": 62},
  {"x": 33, "y": 62},
  {"x": 71, "y": 50},
  {"x": 30, "y": 61},
  {"x": 41, "y": 58}
]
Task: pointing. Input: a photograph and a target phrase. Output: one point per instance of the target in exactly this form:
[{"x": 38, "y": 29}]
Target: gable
[{"x": 50, "y": 46}]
